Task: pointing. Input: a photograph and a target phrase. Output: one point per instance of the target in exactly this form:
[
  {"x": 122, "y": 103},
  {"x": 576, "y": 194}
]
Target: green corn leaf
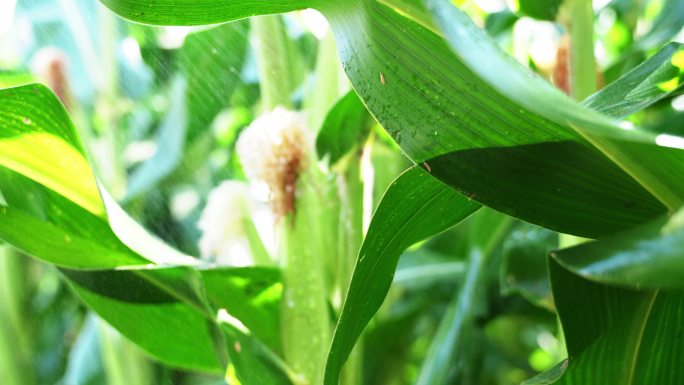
[
  {"x": 200, "y": 12},
  {"x": 252, "y": 363},
  {"x": 55, "y": 210},
  {"x": 621, "y": 146},
  {"x": 462, "y": 126},
  {"x": 55, "y": 191},
  {"x": 648, "y": 256},
  {"x": 641, "y": 87},
  {"x": 163, "y": 311},
  {"x": 616, "y": 335},
  {"x": 668, "y": 24},
  {"x": 32, "y": 121},
  {"x": 251, "y": 295},
  {"x": 423, "y": 268},
  {"x": 212, "y": 61},
  {"x": 151, "y": 315},
  {"x": 453, "y": 110},
  {"x": 415, "y": 206},
  {"x": 345, "y": 126}
]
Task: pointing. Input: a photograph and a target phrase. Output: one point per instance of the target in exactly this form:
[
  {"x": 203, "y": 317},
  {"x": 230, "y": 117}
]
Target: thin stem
[
  {"x": 583, "y": 62},
  {"x": 328, "y": 85},
  {"x": 272, "y": 58},
  {"x": 352, "y": 221},
  {"x": 369, "y": 179},
  {"x": 305, "y": 320},
  {"x": 16, "y": 358}
]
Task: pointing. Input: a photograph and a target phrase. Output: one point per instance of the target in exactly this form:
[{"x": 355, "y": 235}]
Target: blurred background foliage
[{"x": 160, "y": 110}]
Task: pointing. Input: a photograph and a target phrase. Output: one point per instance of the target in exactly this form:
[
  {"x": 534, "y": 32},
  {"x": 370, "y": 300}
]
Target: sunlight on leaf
[{"x": 70, "y": 176}]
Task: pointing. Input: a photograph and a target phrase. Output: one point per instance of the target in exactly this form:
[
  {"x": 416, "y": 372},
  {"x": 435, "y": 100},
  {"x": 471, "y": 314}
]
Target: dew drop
[{"x": 26, "y": 121}]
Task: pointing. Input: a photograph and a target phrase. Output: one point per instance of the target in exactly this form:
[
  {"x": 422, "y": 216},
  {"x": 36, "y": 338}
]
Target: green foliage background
[{"x": 480, "y": 176}]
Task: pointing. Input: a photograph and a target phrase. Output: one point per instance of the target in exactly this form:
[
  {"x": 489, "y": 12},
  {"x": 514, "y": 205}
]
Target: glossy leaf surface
[
  {"x": 33, "y": 122},
  {"x": 458, "y": 122},
  {"x": 251, "y": 295},
  {"x": 618, "y": 146},
  {"x": 648, "y": 256}
]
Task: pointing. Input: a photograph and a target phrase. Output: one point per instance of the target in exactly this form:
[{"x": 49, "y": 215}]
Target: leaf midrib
[{"x": 640, "y": 337}]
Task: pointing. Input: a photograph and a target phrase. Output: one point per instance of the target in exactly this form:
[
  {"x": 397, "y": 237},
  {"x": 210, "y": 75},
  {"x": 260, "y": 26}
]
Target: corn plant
[{"x": 434, "y": 201}]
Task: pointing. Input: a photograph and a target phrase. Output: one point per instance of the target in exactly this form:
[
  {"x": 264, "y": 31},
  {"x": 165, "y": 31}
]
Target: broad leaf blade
[
  {"x": 421, "y": 268},
  {"x": 444, "y": 113},
  {"x": 621, "y": 146},
  {"x": 32, "y": 121},
  {"x": 212, "y": 62},
  {"x": 151, "y": 315},
  {"x": 165, "y": 310},
  {"x": 56, "y": 195},
  {"x": 84, "y": 227},
  {"x": 253, "y": 363},
  {"x": 615, "y": 335},
  {"x": 414, "y": 207}
]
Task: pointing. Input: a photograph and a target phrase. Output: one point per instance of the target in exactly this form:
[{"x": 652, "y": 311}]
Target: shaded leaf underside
[{"x": 616, "y": 335}]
